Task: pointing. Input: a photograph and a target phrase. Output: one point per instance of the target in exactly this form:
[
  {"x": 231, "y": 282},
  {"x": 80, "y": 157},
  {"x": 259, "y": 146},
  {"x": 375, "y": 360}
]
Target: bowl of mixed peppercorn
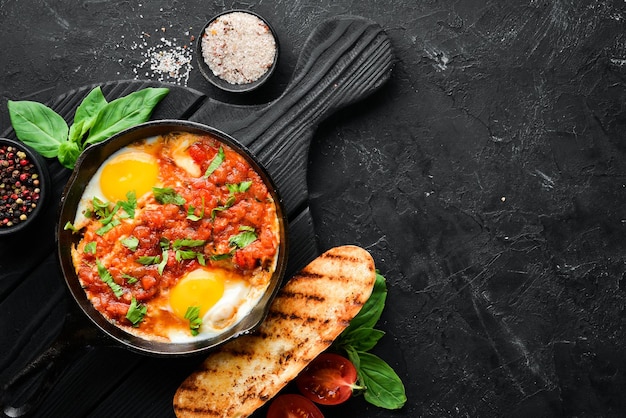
[{"x": 23, "y": 178}]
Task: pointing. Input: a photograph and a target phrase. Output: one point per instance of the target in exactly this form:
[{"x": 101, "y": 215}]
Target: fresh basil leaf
[
  {"x": 136, "y": 312},
  {"x": 370, "y": 313},
  {"x": 165, "y": 195},
  {"x": 383, "y": 386},
  {"x": 68, "y": 153},
  {"x": 362, "y": 339},
  {"x": 85, "y": 114},
  {"x": 215, "y": 162},
  {"x": 125, "y": 112},
  {"x": 107, "y": 278},
  {"x": 353, "y": 356},
  {"x": 38, "y": 126}
]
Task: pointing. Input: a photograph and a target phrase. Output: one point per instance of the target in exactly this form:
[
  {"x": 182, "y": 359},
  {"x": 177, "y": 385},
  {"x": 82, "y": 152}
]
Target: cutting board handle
[{"x": 345, "y": 59}]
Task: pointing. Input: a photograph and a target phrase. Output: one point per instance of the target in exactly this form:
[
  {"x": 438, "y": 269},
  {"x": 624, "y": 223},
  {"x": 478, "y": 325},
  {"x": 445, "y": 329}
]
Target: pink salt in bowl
[{"x": 237, "y": 51}]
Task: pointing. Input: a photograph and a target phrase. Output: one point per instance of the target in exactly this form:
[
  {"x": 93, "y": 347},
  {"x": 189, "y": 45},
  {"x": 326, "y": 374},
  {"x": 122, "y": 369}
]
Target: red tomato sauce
[{"x": 222, "y": 215}]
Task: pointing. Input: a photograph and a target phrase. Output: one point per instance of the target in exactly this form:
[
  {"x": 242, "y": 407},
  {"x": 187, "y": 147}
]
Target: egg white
[
  {"x": 237, "y": 301},
  {"x": 93, "y": 187}
]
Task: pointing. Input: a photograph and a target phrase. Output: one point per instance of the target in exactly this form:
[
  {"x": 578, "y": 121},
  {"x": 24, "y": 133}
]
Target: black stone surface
[{"x": 487, "y": 179}]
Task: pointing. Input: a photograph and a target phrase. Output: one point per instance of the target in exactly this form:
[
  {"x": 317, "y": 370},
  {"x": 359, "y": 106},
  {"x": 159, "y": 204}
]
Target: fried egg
[
  {"x": 222, "y": 296},
  {"x": 128, "y": 169}
]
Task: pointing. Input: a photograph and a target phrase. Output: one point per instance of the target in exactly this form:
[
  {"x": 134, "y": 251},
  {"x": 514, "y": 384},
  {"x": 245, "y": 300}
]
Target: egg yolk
[
  {"x": 200, "y": 288},
  {"x": 132, "y": 171}
]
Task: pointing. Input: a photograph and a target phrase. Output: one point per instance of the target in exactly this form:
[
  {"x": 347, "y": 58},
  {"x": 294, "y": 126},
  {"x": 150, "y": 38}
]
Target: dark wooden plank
[{"x": 344, "y": 60}]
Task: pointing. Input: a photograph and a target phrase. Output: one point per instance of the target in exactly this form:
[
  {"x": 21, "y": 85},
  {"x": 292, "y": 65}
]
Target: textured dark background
[{"x": 487, "y": 178}]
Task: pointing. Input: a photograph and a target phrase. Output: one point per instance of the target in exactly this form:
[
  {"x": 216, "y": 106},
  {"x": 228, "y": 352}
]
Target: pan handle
[{"x": 28, "y": 388}]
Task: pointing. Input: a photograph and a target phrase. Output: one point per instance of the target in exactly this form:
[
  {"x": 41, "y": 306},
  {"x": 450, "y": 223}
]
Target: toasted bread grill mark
[{"x": 312, "y": 309}]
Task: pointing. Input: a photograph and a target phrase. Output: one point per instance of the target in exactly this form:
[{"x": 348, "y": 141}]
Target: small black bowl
[
  {"x": 37, "y": 165},
  {"x": 220, "y": 82}
]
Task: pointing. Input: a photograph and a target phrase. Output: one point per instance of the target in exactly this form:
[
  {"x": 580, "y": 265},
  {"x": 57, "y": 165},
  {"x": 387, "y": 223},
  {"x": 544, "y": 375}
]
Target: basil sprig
[
  {"x": 383, "y": 387},
  {"x": 95, "y": 120}
]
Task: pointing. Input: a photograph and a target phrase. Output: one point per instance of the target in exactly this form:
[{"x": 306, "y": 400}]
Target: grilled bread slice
[{"x": 308, "y": 313}]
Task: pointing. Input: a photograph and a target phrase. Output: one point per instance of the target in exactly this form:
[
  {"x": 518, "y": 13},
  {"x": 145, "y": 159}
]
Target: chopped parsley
[
  {"x": 246, "y": 237},
  {"x": 131, "y": 243},
  {"x": 228, "y": 204},
  {"x": 136, "y": 312},
  {"x": 165, "y": 195},
  {"x": 107, "y": 278},
  {"x": 193, "y": 315},
  {"x": 215, "y": 162},
  {"x": 191, "y": 212},
  {"x": 239, "y": 187},
  {"x": 129, "y": 205},
  {"x": 163, "y": 263},
  {"x": 90, "y": 248},
  {"x": 148, "y": 260},
  {"x": 130, "y": 279}
]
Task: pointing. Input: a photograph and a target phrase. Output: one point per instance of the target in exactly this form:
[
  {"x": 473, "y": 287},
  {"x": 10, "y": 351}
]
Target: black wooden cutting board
[{"x": 344, "y": 60}]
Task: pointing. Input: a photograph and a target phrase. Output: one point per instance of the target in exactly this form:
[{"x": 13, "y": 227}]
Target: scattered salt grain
[
  {"x": 164, "y": 60},
  {"x": 238, "y": 47}
]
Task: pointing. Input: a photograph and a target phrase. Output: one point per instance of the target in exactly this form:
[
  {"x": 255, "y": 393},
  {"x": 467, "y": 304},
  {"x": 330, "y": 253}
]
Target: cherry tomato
[
  {"x": 293, "y": 406},
  {"x": 328, "y": 379}
]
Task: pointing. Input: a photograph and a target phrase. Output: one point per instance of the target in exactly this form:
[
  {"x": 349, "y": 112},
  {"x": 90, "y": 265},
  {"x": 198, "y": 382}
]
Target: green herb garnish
[
  {"x": 239, "y": 187},
  {"x": 191, "y": 212},
  {"x": 131, "y": 242},
  {"x": 148, "y": 260},
  {"x": 230, "y": 202},
  {"x": 90, "y": 248},
  {"x": 130, "y": 279},
  {"x": 95, "y": 120},
  {"x": 129, "y": 205},
  {"x": 186, "y": 254},
  {"x": 165, "y": 195},
  {"x": 193, "y": 315},
  {"x": 384, "y": 388},
  {"x": 107, "y": 278},
  {"x": 219, "y": 257},
  {"x": 136, "y": 312},
  {"x": 215, "y": 162},
  {"x": 244, "y": 238},
  {"x": 70, "y": 226},
  {"x": 163, "y": 263}
]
